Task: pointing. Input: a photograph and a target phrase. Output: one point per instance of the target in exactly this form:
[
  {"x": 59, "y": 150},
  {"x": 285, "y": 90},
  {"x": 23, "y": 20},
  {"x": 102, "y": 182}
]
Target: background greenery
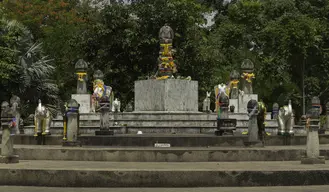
[{"x": 41, "y": 40}]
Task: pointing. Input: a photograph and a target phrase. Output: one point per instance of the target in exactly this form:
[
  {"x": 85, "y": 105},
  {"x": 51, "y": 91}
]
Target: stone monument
[
  {"x": 224, "y": 124},
  {"x": 166, "y": 93},
  {"x": 253, "y": 125},
  {"x": 312, "y": 125},
  {"x": 8, "y": 122},
  {"x": 285, "y": 120},
  {"x": 82, "y": 96},
  {"x": 102, "y": 92},
  {"x": 15, "y": 105},
  {"x": 71, "y": 128},
  {"x": 206, "y": 103},
  {"x": 247, "y": 68},
  {"x": 166, "y": 63},
  {"x": 42, "y": 121},
  {"x": 105, "y": 118},
  {"x": 275, "y": 111},
  {"x": 234, "y": 90},
  {"x": 116, "y": 107}
]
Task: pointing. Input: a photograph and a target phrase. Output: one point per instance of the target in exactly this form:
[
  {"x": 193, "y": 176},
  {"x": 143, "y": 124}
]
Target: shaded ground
[{"x": 324, "y": 188}]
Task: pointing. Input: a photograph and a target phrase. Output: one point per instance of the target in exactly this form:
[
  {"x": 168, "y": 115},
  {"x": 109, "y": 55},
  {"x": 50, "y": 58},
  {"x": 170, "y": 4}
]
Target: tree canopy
[{"x": 287, "y": 40}]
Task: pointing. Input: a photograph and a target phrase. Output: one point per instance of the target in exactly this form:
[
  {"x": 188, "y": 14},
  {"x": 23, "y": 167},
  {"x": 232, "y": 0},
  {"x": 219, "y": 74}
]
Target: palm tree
[{"x": 31, "y": 79}]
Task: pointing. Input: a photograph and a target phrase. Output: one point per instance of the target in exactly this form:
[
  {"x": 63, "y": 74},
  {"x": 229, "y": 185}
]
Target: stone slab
[
  {"x": 166, "y": 95},
  {"x": 164, "y": 152},
  {"x": 9, "y": 159},
  {"x": 85, "y": 102},
  {"x": 153, "y": 174},
  {"x": 243, "y": 101}
]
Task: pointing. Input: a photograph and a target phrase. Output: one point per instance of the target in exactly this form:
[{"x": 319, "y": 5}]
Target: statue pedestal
[
  {"x": 166, "y": 95},
  {"x": 243, "y": 101},
  {"x": 84, "y": 100},
  {"x": 313, "y": 146}
]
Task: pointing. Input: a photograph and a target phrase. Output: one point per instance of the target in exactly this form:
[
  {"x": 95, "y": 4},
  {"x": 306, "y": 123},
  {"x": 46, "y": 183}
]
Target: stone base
[
  {"x": 243, "y": 101},
  {"x": 9, "y": 159},
  {"x": 225, "y": 131},
  {"x": 166, "y": 95},
  {"x": 234, "y": 102},
  {"x": 285, "y": 133},
  {"x": 71, "y": 143},
  {"x": 322, "y": 131},
  {"x": 85, "y": 102},
  {"x": 104, "y": 132},
  {"x": 253, "y": 144},
  {"x": 309, "y": 160}
]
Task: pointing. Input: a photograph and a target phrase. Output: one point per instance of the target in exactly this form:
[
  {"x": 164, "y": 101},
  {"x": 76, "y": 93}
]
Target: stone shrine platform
[
  {"x": 157, "y": 122},
  {"x": 166, "y": 95}
]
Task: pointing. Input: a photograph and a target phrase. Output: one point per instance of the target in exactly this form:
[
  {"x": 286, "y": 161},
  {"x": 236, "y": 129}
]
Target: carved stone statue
[
  {"x": 220, "y": 89},
  {"x": 285, "y": 120},
  {"x": 247, "y": 68},
  {"x": 275, "y": 111},
  {"x": 166, "y": 63},
  {"x": 81, "y": 71},
  {"x": 116, "y": 105},
  {"x": 206, "y": 103},
  {"x": 166, "y": 34},
  {"x": 42, "y": 120},
  {"x": 234, "y": 89},
  {"x": 101, "y": 91},
  {"x": 15, "y": 106}
]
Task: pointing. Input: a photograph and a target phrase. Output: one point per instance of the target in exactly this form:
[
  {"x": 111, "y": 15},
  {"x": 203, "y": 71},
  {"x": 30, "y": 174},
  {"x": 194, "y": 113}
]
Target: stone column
[
  {"x": 104, "y": 118},
  {"x": 7, "y": 146},
  {"x": 72, "y": 124},
  {"x": 312, "y": 126},
  {"x": 81, "y": 71},
  {"x": 275, "y": 111},
  {"x": 224, "y": 124},
  {"x": 252, "y": 108},
  {"x": 247, "y": 68}
]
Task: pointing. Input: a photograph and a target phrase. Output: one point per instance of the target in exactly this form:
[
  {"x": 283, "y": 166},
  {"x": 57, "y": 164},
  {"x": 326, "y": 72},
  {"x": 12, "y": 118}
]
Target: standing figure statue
[
  {"x": 261, "y": 121},
  {"x": 42, "y": 120},
  {"x": 101, "y": 92},
  {"x": 166, "y": 63},
  {"x": 285, "y": 120},
  {"x": 247, "y": 68},
  {"x": 15, "y": 106},
  {"x": 220, "y": 89},
  {"x": 234, "y": 89}
]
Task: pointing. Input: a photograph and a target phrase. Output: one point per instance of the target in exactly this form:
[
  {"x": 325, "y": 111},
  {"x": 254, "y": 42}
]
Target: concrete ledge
[
  {"x": 308, "y": 160},
  {"x": 176, "y": 140},
  {"x": 151, "y": 154},
  {"x": 118, "y": 174},
  {"x": 9, "y": 159}
]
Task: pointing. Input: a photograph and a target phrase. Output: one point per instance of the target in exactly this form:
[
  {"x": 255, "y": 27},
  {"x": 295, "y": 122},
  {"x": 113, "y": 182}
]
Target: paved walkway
[
  {"x": 164, "y": 166},
  {"x": 323, "y": 188}
]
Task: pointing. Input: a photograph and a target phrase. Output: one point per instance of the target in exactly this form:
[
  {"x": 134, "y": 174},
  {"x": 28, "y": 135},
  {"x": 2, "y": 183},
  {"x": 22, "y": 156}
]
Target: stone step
[
  {"x": 167, "y": 154},
  {"x": 175, "y": 140},
  {"x": 172, "y": 123},
  {"x": 154, "y": 115},
  {"x": 29, "y": 130},
  {"x": 159, "y": 174}
]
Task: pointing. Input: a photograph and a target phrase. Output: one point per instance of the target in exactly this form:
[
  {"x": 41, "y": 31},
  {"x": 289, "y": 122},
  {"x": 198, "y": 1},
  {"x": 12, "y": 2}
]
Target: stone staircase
[{"x": 156, "y": 122}]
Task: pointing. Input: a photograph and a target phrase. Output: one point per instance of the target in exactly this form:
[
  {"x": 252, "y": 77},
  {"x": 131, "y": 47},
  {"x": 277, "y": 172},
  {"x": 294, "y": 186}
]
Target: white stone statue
[
  {"x": 42, "y": 120},
  {"x": 116, "y": 105},
  {"x": 285, "y": 120},
  {"x": 206, "y": 102}
]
